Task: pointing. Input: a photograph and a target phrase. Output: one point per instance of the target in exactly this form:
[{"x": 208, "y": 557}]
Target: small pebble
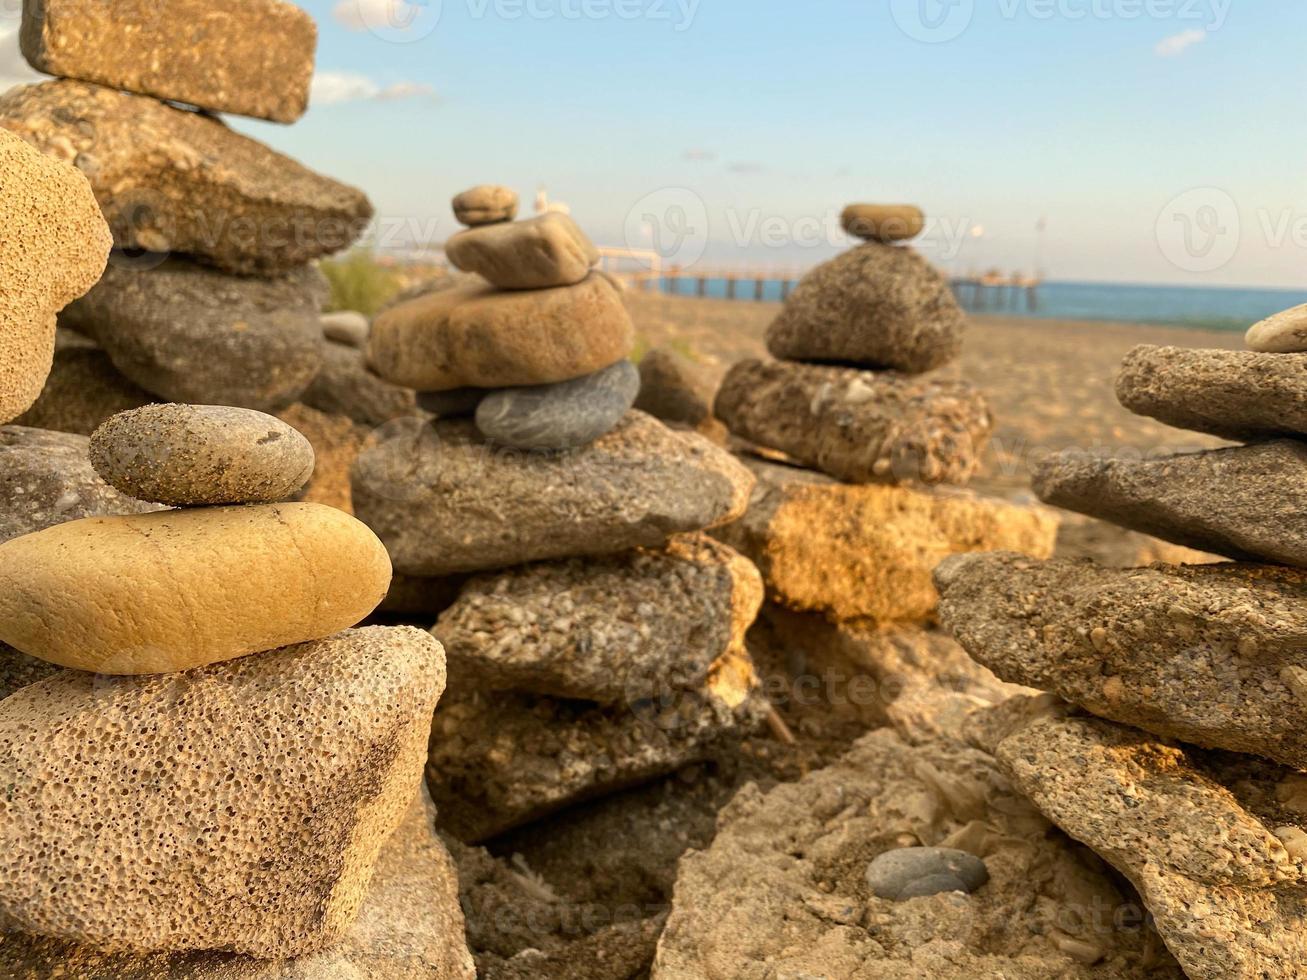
[
  {"x": 1283, "y": 333},
  {"x": 346, "y": 327},
  {"x": 883, "y": 222},
  {"x": 485, "y": 204},
  {"x": 915, "y": 872}
]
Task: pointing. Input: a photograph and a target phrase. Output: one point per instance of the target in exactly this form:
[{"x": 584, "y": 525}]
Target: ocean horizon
[{"x": 1224, "y": 308}]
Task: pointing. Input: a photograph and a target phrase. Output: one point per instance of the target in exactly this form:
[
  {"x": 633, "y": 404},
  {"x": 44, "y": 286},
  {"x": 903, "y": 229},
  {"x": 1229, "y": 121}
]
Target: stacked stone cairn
[
  {"x": 852, "y": 433},
  {"x": 208, "y": 773},
  {"x": 1172, "y": 737},
  {"x": 597, "y": 638},
  {"x": 211, "y": 295}
]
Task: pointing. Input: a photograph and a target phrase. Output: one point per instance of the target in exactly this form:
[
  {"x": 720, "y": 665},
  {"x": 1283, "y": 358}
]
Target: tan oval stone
[
  {"x": 475, "y": 336},
  {"x": 1283, "y": 333},
  {"x": 485, "y": 204},
  {"x": 883, "y": 222},
  {"x": 540, "y": 253},
  {"x": 178, "y": 589}
]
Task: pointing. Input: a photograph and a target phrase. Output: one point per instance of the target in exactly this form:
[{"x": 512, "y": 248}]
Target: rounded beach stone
[
  {"x": 1283, "y": 333},
  {"x": 346, "y": 327},
  {"x": 179, "y": 589},
  {"x": 485, "y": 204},
  {"x": 673, "y": 388},
  {"x": 883, "y": 222},
  {"x": 54, "y": 248},
  {"x": 540, "y": 253},
  {"x": 561, "y": 416},
  {"x": 914, "y": 872},
  {"x": 188, "y": 455}
]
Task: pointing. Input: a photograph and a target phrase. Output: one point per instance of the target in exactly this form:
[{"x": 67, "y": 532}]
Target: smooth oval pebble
[
  {"x": 177, "y": 589},
  {"x": 915, "y": 872},
  {"x": 346, "y": 327},
  {"x": 883, "y": 222},
  {"x": 187, "y": 455},
  {"x": 485, "y": 204},
  {"x": 1283, "y": 333},
  {"x": 560, "y": 416}
]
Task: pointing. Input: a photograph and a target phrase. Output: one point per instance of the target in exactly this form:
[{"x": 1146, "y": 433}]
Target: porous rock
[
  {"x": 565, "y": 415},
  {"x": 185, "y": 588},
  {"x": 859, "y": 426},
  {"x": 1198, "y": 834},
  {"x": 1215, "y": 655},
  {"x": 499, "y": 760},
  {"x": 485, "y": 204},
  {"x": 854, "y": 552},
  {"x": 538, "y": 253},
  {"x": 1247, "y": 503},
  {"x": 84, "y": 389},
  {"x": 124, "y": 792},
  {"x": 782, "y": 890},
  {"x": 613, "y": 629},
  {"x": 1239, "y": 395},
  {"x": 444, "y": 502},
  {"x": 47, "y": 479},
  {"x": 475, "y": 336},
  {"x": 253, "y": 58},
  {"x": 190, "y": 334},
  {"x": 172, "y": 180},
  {"x": 876, "y": 306},
  {"x": 54, "y": 249},
  {"x": 409, "y": 927},
  {"x": 187, "y": 455}
]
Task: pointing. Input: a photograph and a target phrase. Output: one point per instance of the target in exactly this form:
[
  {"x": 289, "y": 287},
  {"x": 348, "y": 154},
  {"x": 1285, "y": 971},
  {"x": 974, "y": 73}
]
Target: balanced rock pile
[
  {"x": 1171, "y": 670},
  {"x": 599, "y": 640},
  {"x": 211, "y": 296},
  {"x": 856, "y": 542},
  {"x": 225, "y": 760}
]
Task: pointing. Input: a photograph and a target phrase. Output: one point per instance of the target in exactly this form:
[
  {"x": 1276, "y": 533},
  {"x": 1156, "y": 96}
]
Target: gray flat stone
[
  {"x": 1238, "y": 395},
  {"x": 1247, "y": 503},
  {"x": 916, "y": 872},
  {"x": 559, "y": 416}
]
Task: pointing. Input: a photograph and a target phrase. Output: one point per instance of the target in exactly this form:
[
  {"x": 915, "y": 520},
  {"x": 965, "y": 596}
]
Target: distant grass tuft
[{"x": 358, "y": 282}]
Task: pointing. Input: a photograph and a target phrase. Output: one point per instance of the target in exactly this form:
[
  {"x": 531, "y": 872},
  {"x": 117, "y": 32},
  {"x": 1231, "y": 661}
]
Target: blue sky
[{"x": 1126, "y": 124}]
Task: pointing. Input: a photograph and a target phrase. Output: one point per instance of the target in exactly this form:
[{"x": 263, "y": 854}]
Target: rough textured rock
[
  {"x": 253, "y": 58},
  {"x": 1198, "y": 835},
  {"x": 861, "y": 670},
  {"x": 538, "y": 253},
  {"x": 633, "y": 626},
  {"x": 54, "y": 249},
  {"x": 1237, "y": 395},
  {"x": 346, "y": 327},
  {"x": 782, "y": 891},
  {"x": 191, "y": 334},
  {"x": 499, "y": 760},
  {"x": 244, "y": 779},
  {"x": 485, "y": 204},
  {"x": 184, "y": 588},
  {"x": 673, "y": 388},
  {"x": 84, "y": 389},
  {"x": 17, "y": 671},
  {"x": 859, "y": 426},
  {"x": 1215, "y": 655},
  {"x": 875, "y": 305},
  {"x": 1283, "y": 333},
  {"x": 868, "y": 551},
  {"x": 171, "y": 180},
  {"x": 566, "y": 415},
  {"x": 187, "y": 455},
  {"x": 345, "y": 386},
  {"x": 444, "y": 502},
  {"x": 1247, "y": 503},
  {"x": 475, "y": 336},
  {"x": 883, "y": 222},
  {"x": 337, "y": 442},
  {"x": 47, "y": 479},
  {"x": 409, "y": 927}
]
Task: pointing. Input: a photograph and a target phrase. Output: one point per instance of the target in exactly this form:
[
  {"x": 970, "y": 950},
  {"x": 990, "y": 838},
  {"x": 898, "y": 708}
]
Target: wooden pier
[{"x": 993, "y": 291}]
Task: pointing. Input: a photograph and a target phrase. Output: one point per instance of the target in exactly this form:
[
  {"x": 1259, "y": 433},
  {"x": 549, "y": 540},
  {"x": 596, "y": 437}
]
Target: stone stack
[
  {"x": 211, "y": 295},
  {"x": 1171, "y": 670},
  {"x": 849, "y": 436},
  {"x": 598, "y": 637},
  {"x": 221, "y": 765}
]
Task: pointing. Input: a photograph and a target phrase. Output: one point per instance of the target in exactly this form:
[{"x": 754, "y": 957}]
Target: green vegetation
[{"x": 359, "y": 282}]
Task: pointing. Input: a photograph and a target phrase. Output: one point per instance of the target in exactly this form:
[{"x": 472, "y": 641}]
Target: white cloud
[
  {"x": 1177, "y": 44},
  {"x": 336, "y": 87},
  {"x": 699, "y": 155},
  {"x": 14, "y": 70},
  {"x": 364, "y": 15}
]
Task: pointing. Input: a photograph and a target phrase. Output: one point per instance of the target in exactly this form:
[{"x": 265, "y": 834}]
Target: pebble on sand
[{"x": 1283, "y": 333}]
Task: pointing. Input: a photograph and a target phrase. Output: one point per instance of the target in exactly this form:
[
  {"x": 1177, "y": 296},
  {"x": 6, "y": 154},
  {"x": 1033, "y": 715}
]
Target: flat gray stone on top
[{"x": 559, "y": 416}]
